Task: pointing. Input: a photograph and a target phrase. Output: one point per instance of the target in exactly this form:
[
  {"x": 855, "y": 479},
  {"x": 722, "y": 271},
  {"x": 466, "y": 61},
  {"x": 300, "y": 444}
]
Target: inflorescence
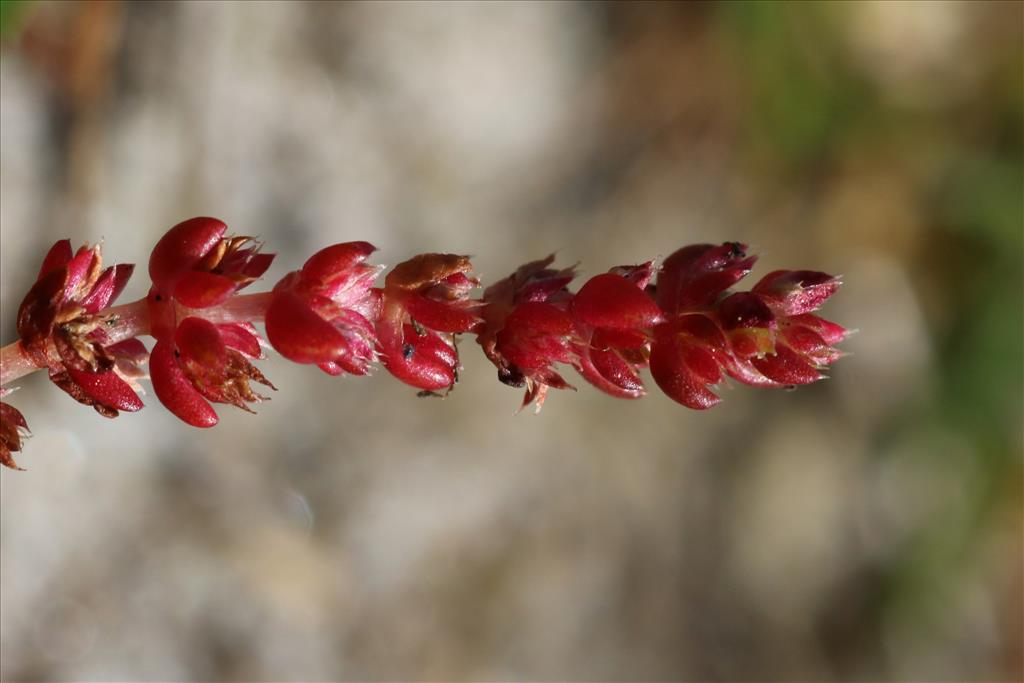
[{"x": 679, "y": 319}]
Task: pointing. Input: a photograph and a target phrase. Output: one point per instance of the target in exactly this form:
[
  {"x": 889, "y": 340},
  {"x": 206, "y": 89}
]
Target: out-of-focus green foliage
[
  {"x": 804, "y": 99},
  {"x": 11, "y": 13}
]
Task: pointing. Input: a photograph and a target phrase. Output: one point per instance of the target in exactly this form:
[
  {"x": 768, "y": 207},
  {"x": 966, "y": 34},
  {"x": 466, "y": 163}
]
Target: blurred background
[{"x": 865, "y": 528}]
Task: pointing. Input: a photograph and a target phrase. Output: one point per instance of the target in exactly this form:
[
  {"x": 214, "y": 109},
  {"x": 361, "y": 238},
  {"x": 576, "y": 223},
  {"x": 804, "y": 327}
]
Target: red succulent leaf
[
  {"x": 13, "y": 429},
  {"x": 794, "y": 292},
  {"x": 694, "y": 276},
  {"x": 611, "y": 301},
  {"x": 175, "y": 390}
]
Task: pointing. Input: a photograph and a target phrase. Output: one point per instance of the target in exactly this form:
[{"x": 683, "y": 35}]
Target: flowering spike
[{"x": 686, "y": 326}]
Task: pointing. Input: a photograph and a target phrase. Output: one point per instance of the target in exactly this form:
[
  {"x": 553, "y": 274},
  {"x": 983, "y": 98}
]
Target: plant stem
[{"x": 132, "y": 320}]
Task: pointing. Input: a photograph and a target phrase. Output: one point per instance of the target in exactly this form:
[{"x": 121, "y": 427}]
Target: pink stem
[{"x": 132, "y": 320}]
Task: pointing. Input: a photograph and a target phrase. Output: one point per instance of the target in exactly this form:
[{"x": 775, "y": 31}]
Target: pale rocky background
[{"x": 866, "y": 528}]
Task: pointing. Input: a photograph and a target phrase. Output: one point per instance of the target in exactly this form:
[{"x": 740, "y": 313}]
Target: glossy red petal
[
  {"x": 299, "y": 334},
  {"x": 200, "y": 289},
  {"x": 257, "y": 265},
  {"x": 619, "y": 339},
  {"x": 539, "y": 318},
  {"x": 612, "y": 301},
  {"x": 107, "y": 389},
  {"x": 425, "y": 361},
  {"x": 107, "y": 287},
  {"x": 336, "y": 261},
  {"x": 331, "y": 368},
  {"x": 59, "y": 255},
  {"x": 787, "y": 367},
  {"x": 696, "y": 275},
  {"x": 672, "y": 374},
  {"x": 241, "y": 337},
  {"x": 182, "y": 248},
  {"x": 793, "y": 292},
  {"x": 199, "y": 342},
  {"x": 83, "y": 265},
  {"x": 175, "y": 390},
  {"x": 437, "y": 315},
  {"x": 607, "y": 371},
  {"x": 130, "y": 349},
  {"x": 831, "y": 332}
]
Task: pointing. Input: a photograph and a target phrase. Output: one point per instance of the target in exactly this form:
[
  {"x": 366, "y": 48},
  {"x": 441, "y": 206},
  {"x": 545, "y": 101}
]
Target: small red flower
[
  {"x": 523, "y": 344},
  {"x": 193, "y": 267},
  {"x": 206, "y": 362},
  {"x": 324, "y": 313},
  {"x": 425, "y": 301},
  {"x": 61, "y": 328},
  {"x": 13, "y": 429}
]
